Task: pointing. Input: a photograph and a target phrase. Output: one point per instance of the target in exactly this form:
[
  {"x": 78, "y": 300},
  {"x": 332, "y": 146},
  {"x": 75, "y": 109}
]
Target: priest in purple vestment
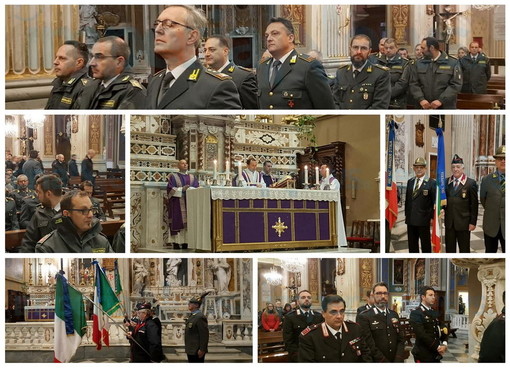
[{"x": 178, "y": 184}]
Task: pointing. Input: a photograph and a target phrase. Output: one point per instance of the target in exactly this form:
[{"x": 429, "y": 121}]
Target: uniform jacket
[
  {"x": 419, "y": 208},
  {"x": 462, "y": 204},
  {"x": 371, "y": 89},
  {"x": 124, "y": 92},
  {"x": 196, "y": 335},
  {"x": 317, "y": 344},
  {"x": 246, "y": 83},
  {"x": 73, "y": 168},
  {"x": 383, "y": 335},
  {"x": 31, "y": 169},
  {"x": 64, "y": 93},
  {"x": 87, "y": 169},
  {"x": 397, "y": 66},
  {"x": 426, "y": 327},
  {"x": 293, "y": 324},
  {"x": 148, "y": 335},
  {"x": 19, "y": 195},
  {"x": 11, "y": 217},
  {"x": 439, "y": 80},
  {"x": 60, "y": 168},
  {"x": 196, "y": 88},
  {"x": 476, "y": 73},
  {"x": 493, "y": 201},
  {"x": 39, "y": 225},
  {"x": 65, "y": 239},
  {"x": 363, "y": 308},
  {"x": 28, "y": 207},
  {"x": 300, "y": 83},
  {"x": 492, "y": 346}
]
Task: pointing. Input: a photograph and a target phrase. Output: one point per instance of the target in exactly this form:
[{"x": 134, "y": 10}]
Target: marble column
[
  {"x": 348, "y": 284},
  {"x": 246, "y": 285},
  {"x": 463, "y": 141}
]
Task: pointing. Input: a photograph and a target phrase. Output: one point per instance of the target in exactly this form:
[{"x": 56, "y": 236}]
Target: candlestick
[
  {"x": 239, "y": 171},
  {"x": 215, "y": 169},
  {"x": 317, "y": 175},
  {"x": 306, "y": 174},
  {"x": 227, "y": 169},
  {"x": 327, "y": 172}
]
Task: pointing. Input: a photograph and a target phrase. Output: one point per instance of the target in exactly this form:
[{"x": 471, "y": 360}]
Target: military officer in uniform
[
  {"x": 462, "y": 208},
  {"x": 146, "y": 346},
  {"x": 431, "y": 340},
  {"x": 370, "y": 303},
  {"x": 397, "y": 65},
  {"x": 76, "y": 228},
  {"x": 362, "y": 85},
  {"x": 379, "y": 57},
  {"x": 11, "y": 217},
  {"x": 113, "y": 88},
  {"x": 22, "y": 191},
  {"x": 196, "y": 335},
  {"x": 436, "y": 79},
  {"x": 492, "y": 346},
  {"x": 216, "y": 52},
  {"x": 49, "y": 192},
  {"x": 381, "y": 329},
  {"x": 296, "y": 321},
  {"x": 288, "y": 80},
  {"x": 28, "y": 207},
  {"x": 419, "y": 208},
  {"x": 492, "y": 197},
  {"x": 476, "y": 70},
  {"x": 335, "y": 340},
  {"x": 70, "y": 66},
  {"x": 185, "y": 83}
]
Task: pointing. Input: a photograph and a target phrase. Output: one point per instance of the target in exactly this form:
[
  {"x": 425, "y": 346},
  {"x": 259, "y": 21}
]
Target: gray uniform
[
  {"x": 196, "y": 88},
  {"x": 38, "y": 227},
  {"x": 300, "y": 83},
  {"x": 492, "y": 198},
  {"x": 31, "y": 169},
  {"x": 371, "y": 89},
  {"x": 246, "y": 83},
  {"x": 196, "y": 335},
  {"x": 397, "y": 66},
  {"x": 64, "y": 93},
  {"x": 436, "y": 80},
  {"x": 65, "y": 239},
  {"x": 476, "y": 73},
  {"x": 11, "y": 218},
  {"x": 19, "y": 195},
  {"x": 28, "y": 207},
  {"x": 123, "y": 93}
]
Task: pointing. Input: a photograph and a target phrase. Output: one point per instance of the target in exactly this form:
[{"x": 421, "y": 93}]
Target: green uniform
[
  {"x": 476, "y": 73},
  {"x": 246, "y": 83},
  {"x": 196, "y": 88},
  {"x": 397, "y": 66},
  {"x": 196, "y": 335},
  {"x": 19, "y": 195},
  {"x": 436, "y": 80},
  {"x": 371, "y": 89},
  {"x": 300, "y": 83},
  {"x": 65, "y": 92},
  {"x": 39, "y": 225},
  {"x": 65, "y": 239},
  {"x": 124, "y": 92},
  {"x": 11, "y": 218}
]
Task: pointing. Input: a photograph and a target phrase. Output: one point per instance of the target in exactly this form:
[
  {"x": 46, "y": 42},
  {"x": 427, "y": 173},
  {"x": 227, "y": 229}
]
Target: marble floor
[{"x": 457, "y": 352}]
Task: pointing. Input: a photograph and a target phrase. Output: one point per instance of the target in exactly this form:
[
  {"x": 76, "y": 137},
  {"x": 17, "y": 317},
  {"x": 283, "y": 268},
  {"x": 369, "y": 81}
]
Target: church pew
[
  {"x": 13, "y": 238},
  {"x": 113, "y": 196},
  {"x": 271, "y": 347},
  {"x": 472, "y": 101},
  {"x": 496, "y": 82}
]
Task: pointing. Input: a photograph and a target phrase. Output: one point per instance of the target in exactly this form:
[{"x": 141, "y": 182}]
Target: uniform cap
[
  {"x": 457, "y": 160},
  {"x": 500, "y": 152},
  {"x": 420, "y": 161}
]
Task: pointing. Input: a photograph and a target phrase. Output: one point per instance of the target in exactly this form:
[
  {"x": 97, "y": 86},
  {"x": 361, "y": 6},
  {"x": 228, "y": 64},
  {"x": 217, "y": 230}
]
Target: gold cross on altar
[{"x": 280, "y": 227}]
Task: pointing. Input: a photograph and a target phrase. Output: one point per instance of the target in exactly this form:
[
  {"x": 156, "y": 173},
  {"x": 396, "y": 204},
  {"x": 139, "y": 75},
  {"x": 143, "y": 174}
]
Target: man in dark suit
[
  {"x": 185, "y": 83},
  {"x": 492, "y": 197},
  {"x": 216, "y": 51},
  {"x": 296, "y": 321},
  {"x": 381, "y": 330},
  {"x": 431, "y": 340},
  {"x": 289, "y": 80},
  {"x": 461, "y": 208},
  {"x": 362, "y": 84},
  {"x": 419, "y": 208},
  {"x": 370, "y": 303},
  {"x": 196, "y": 335},
  {"x": 335, "y": 340},
  {"x": 87, "y": 167}
]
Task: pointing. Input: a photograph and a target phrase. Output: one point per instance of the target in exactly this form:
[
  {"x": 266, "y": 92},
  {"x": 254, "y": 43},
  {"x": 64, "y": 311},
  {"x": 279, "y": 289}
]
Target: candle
[
  {"x": 327, "y": 172},
  {"x": 215, "y": 169},
  {"x": 227, "y": 169},
  {"x": 306, "y": 174},
  {"x": 239, "y": 171},
  {"x": 317, "y": 175}
]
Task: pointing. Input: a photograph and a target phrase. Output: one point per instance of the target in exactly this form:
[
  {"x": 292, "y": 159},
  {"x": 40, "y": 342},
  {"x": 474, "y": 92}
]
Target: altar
[{"x": 226, "y": 219}]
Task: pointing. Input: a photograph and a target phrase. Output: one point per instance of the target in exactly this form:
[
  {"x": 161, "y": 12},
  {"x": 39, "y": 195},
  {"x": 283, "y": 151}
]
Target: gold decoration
[
  {"x": 95, "y": 132},
  {"x": 400, "y": 23},
  {"x": 340, "y": 270},
  {"x": 280, "y": 227},
  {"x": 420, "y": 129},
  {"x": 296, "y": 14},
  {"x": 366, "y": 277}
]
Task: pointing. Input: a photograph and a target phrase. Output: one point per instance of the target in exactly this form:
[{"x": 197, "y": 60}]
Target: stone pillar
[
  {"x": 421, "y": 24},
  {"x": 463, "y": 29},
  {"x": 357, "y": 271},
  {"x": 246, "y": 273},
  {"x": 463, "y": 141}
]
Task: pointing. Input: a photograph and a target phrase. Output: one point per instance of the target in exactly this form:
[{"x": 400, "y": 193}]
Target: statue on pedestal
[
  {"x": 223, "y": 274},
  {"x": 172, "y": 269},
  {"x": 140, "y": 274}
]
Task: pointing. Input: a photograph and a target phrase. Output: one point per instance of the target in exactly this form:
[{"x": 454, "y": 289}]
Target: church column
[
  {"x": 463, "y": 31},
  {"x": 246, "y": 273},
  {"x": 358, "y": 273},
  {"x": 483, "y": 143},
  {"x": 421, "y": 19},
  {"x": 463, "y": 141}
]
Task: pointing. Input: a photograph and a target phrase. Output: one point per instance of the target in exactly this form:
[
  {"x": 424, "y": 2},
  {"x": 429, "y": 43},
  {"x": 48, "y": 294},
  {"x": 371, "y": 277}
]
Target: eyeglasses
[
  {"x": 336, "y": 312},
  {"x": 380, "y": 293},
  {"x": 85, "y": 211},
  {"x": 168, "y": 23},
  {"x": 359, "y": 48},
  {"x": 102, "y": 57}
]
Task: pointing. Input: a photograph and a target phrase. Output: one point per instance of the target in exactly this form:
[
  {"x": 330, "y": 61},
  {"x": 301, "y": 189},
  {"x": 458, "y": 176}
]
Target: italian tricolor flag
[
  {"x": 440, "y": 192},
  {"x": 105, "y": 303},
  {"x": 70, "y": 322}
]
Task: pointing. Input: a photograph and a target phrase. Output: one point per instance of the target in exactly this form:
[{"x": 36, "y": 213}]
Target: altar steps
[{"x": 216, "y": 354}]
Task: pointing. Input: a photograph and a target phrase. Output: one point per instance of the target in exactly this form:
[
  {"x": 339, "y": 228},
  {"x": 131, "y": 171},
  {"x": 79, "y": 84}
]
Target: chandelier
[
  {"x": 293, "y": 264},
  {"x": 11, "y": 129},
  {"x": 273, "y": 277},
  {"x": 34, "y": 120}
]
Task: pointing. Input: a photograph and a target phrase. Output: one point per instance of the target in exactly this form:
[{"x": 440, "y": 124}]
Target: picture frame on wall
[{"x": 398, "y": 272}]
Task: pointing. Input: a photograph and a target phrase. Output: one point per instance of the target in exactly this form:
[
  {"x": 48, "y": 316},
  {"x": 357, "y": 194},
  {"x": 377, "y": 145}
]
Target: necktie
[
  {"x": 416, "y": 186},
  {"x": 355, "y": 73},
  {"x": 502, "y": 182},
  {"x": 456, "y": 184},
  {"x": 274, "y": 70},
  {"x": 338, "y": 336},
  {"x": 165, "y": 85}
]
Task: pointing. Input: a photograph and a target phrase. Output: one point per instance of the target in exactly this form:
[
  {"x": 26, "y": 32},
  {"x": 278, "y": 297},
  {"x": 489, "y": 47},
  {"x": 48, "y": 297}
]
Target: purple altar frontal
[
  {"x": 39, "y": 313},
  {"x": 266, "y": 224}
]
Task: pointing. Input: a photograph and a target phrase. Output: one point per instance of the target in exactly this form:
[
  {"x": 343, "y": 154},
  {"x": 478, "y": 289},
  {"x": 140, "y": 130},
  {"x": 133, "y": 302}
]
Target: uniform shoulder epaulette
[
  {"x": 135, "y": 83},
  {"x": 84, "y": 81},
  {"x": 220, "y": 76},
  {"x": 244, "y": 68},
  {"x": 451, "y": 57},
  {"x": 381, "y": 67},
  {"x": 45, "y": 237},
  {"x": 351, "y": 322},
  {"x": 365, "y": 311},
  {"x": 7, "y": 199},
  {"x": 308, "y": 329},
  {"x": 262, "y": 61},
  {"x": 343, "y": 66},
  {"x": 160, "y": 73},
  {"x": 306, "y": 58}
]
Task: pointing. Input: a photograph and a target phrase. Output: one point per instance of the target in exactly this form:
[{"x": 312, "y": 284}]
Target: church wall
[{"x": 362, "y": 161}]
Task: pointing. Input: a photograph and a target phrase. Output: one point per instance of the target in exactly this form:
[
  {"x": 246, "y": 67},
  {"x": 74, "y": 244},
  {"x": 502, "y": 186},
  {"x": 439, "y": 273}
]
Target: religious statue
[
  {"x": 88, "y": 23},
  {"x": 223, "y": 273},
  {"x": 140, "y": 274},
  {"x": 447, "y": 19},
  {"x": 172, "y": 268}
]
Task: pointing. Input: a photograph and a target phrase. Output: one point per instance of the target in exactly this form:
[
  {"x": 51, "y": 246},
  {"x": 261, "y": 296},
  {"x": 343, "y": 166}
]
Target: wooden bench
[
  {"x": 113, "y": 196},
  {"x": 364, "y": 235},
  {"x": 13, "y": 238},
  {"x": 271, "y": 347},
  {"x": 472, "y": 101}
]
